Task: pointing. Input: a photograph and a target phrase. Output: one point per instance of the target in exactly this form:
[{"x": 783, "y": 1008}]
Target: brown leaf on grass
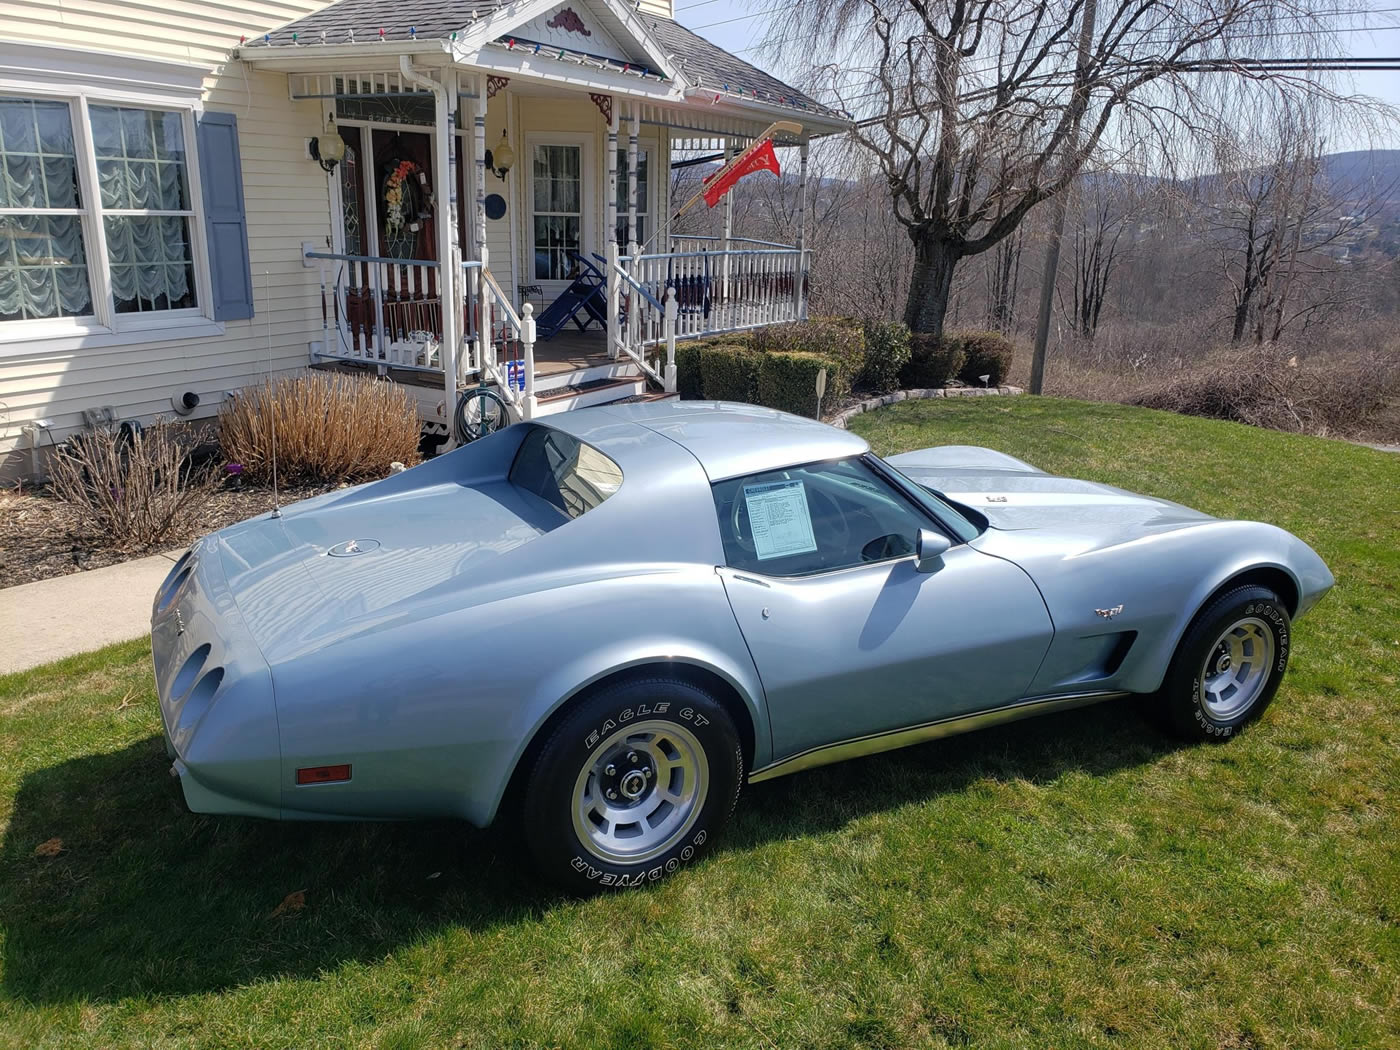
[
  {"x": 128, "y": 700},
  {"x": 51, "y": 848},
  {"x": 291, "y": 903}
]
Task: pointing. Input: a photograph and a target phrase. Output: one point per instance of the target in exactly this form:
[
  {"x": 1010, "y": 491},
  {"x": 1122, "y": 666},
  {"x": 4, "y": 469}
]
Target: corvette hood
[{"x": 1013, "y": 495}]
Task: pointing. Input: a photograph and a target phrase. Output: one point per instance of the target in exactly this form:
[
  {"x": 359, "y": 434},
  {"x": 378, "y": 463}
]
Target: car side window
[{"x": 815, "y": 518}]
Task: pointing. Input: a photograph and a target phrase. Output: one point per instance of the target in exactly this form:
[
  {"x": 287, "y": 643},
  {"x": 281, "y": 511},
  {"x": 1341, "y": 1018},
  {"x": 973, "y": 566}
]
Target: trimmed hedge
[
  {"x": 985, "y": 354},
  {"x": 839, "y": 339},
  {"x": 932, "y": 361},
  {"x": 787, "y": 380},
  {"x": 689, "y": 383},
  {"x": 729, "y": 372},
  {"x": 886, "y": 353}
]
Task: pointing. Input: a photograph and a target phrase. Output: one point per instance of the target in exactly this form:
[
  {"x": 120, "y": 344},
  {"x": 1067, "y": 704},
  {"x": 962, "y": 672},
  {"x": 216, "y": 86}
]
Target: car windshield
[
  {"x": 570, "y": 476},
  {"x": 959, "y": 518}
]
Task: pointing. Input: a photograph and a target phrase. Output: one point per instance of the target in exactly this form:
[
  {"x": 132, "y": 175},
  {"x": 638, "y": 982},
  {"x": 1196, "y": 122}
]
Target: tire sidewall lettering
[
  {"x": 615, "y": 880},
  {"x": 627, "y": 714}
]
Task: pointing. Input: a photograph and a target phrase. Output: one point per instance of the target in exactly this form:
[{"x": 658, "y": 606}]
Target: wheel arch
[
  {"x": 724, "y": 690},
  {"x": 1266, "y": 574}
]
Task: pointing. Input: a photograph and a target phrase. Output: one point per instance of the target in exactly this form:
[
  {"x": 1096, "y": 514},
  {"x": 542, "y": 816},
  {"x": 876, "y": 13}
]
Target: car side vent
[
  {"x": 189, "y": 671},
  {"x": 200, "y": 698},
  {"x": 1118, "y": 653}
]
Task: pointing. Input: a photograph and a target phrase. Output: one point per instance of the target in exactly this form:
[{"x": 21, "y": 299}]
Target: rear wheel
[
  {"x": 635, "y": 782},
  {"x": 1229, "y": 664}
]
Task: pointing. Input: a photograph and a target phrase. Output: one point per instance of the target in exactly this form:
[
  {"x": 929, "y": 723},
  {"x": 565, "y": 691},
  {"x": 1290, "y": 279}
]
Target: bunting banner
[{"x": 758, "y": 157}]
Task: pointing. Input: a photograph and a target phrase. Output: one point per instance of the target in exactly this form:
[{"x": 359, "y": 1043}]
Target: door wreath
[{"x": 408, "y": 201}]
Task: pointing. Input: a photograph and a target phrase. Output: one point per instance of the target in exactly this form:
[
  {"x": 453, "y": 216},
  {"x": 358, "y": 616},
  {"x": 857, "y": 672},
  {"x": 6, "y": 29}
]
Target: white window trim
[
  {"x": 588, "y": 203},
  {"x": 80, "y": 79}
]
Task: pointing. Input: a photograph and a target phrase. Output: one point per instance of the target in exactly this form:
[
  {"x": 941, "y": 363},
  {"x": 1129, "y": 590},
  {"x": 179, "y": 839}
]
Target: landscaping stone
[{"x": 842, "y": 419}]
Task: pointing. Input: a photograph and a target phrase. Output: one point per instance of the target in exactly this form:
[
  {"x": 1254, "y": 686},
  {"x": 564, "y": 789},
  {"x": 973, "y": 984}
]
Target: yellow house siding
[
  {"x": 287, "y": 203},
  {"x": 659, "y": 7}
]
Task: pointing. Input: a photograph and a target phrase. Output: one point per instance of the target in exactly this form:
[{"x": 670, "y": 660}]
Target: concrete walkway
[{"x": 49, "y": 619}]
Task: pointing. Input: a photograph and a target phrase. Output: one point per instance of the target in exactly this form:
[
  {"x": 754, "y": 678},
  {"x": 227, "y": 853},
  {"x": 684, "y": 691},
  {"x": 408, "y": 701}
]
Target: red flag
[{"x": 758, "y": 157}]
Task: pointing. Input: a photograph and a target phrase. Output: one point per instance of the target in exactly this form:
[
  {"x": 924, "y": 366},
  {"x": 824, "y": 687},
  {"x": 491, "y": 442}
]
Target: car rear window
[{"x": 569, "y": 475}]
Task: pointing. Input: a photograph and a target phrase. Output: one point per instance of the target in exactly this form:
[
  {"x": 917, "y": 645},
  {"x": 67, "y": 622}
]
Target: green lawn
[{"x": 1070, "y": 881}]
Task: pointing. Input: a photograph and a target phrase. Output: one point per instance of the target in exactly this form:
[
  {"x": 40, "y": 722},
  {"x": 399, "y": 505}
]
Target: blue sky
[{"x": 737, "y": 26}]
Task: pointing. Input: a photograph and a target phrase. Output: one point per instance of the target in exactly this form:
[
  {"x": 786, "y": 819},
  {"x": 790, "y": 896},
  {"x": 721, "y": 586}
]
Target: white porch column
[
  {"x": 610, "y": 231},
  {"x": 799, "y": 298},
  {"x": 633, "y": 131},
  {"x": 483, "y": 325},
  {"x": 443, "y": 172},
  {"x": 454, "y": 257},
  {"x": 728, "y": 231}
]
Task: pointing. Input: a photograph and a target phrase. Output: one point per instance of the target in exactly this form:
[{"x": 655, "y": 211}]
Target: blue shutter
[{"x": 225, "y": 218}]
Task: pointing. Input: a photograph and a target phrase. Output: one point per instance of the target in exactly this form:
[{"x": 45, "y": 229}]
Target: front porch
[{"x": 561, "y": 284}]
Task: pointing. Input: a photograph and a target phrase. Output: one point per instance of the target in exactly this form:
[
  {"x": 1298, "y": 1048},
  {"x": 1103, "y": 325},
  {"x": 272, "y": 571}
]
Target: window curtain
[
  {"x": 43, "y": 262},
  {"x": 141, "y": 167}
]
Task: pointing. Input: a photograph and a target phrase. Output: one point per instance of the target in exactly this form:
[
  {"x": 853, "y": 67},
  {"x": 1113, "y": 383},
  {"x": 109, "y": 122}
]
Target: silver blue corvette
[{"x": 599, "y": 627}]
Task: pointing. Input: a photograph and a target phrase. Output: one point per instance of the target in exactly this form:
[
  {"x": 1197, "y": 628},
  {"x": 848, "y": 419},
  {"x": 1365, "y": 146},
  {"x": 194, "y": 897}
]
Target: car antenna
[{"x": 272, "y": 414}]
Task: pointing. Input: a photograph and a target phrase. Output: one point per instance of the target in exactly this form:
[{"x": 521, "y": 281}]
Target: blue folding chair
[{"x": 587, "y": 295}]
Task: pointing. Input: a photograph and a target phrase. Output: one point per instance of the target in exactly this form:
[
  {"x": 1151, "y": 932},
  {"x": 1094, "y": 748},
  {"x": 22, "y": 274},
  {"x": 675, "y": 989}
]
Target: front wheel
[
  {"x": 1228, "y": 665},
  {"x": 635, "y": 782}
]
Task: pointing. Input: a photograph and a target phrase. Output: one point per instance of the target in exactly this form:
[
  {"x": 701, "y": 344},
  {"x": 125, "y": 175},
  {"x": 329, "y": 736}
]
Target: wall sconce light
[
  {"x": 329, "y": 149},
  {"x": 502, "y": 158}
]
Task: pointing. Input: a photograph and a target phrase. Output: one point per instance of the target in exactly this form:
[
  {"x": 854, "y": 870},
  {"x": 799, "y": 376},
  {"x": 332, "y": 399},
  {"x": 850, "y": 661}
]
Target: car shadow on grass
[{"x": 146, "y": 899}]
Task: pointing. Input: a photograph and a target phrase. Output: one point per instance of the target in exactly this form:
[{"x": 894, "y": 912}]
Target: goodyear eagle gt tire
[
  {"x": 634, "y": 783},
  {"x": 1229, "y": 664}
]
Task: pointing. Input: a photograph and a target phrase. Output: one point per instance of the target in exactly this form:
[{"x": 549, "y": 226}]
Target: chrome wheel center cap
[
  {"x": 633, "y": 785},
  {"x": 1223, "y": 664}
]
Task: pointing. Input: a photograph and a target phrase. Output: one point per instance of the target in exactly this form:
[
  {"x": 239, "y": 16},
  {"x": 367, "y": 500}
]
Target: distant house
[{"x": 195, "y": 195}]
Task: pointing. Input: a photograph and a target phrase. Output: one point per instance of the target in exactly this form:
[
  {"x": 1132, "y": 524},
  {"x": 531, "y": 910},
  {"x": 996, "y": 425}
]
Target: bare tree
[
  {"x": 1278, "y": 229},
  {"x": 1003, "y": 282},
  {"x": 1109, "y": 208},
  {"x": 978, "y": 110}
]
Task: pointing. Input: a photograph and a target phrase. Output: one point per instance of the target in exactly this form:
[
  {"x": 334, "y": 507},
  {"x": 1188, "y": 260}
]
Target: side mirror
[{"x": 928, "y": 555}]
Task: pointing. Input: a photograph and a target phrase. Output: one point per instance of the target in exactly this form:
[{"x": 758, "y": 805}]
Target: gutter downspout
[{"x": 449, "y": 252}]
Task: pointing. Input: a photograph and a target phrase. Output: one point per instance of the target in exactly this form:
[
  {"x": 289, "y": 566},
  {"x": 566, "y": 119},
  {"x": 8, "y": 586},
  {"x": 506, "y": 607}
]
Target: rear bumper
[{"x": 217, "y": 708}]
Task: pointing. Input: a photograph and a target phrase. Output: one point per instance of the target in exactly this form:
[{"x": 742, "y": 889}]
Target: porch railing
[
  {"x": 724, "y": 291},
  {"x": 505, "y": 340},
  {"x": 383, "y": 311}
]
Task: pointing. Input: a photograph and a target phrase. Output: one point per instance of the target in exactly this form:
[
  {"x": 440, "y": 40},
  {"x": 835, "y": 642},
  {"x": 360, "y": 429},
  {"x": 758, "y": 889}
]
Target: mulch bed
[{"x": 41, "y": 537}]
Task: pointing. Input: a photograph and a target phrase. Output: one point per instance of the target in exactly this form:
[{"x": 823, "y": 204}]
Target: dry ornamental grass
[{"x": 328, "y": 427}]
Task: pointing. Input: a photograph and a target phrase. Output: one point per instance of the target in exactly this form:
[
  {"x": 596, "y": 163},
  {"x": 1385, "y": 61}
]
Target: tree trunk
[{"x": 931, "y": 282}]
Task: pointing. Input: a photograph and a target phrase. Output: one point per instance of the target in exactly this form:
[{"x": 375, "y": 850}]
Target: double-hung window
[
  {"x": 557, "y": 184},
  {"x": 98, "y": 224}
]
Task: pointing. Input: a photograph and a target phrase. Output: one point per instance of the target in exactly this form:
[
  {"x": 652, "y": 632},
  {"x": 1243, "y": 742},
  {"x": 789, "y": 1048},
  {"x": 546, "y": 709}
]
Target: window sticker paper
[{"x": 779, "y": 519}]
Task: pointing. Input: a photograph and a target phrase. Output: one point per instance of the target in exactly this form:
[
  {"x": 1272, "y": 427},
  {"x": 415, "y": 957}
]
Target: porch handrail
[
  {"x": 718, "y": 254},
  {"x": 523, "y": 325},
  {"x": 731, "y": 240},
  {"x": 337, "y": 257},
  {"x": 667, "y": 317}
]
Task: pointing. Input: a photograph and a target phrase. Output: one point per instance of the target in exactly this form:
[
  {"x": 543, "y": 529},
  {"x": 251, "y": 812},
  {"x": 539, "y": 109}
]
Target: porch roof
[{"x": 706, "y": 70}]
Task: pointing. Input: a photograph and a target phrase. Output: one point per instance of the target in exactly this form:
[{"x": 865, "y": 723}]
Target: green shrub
[
  {"x": 787, "y": 380},
  {"x": 886, "y": 353},
  {"x": 985, "y": 354},
  {"x": 729, "y": 372},
  {"x": 688, "y": 380},
  {"x": 932, "y": 361},
  {"x": 840, "y": 340}
]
